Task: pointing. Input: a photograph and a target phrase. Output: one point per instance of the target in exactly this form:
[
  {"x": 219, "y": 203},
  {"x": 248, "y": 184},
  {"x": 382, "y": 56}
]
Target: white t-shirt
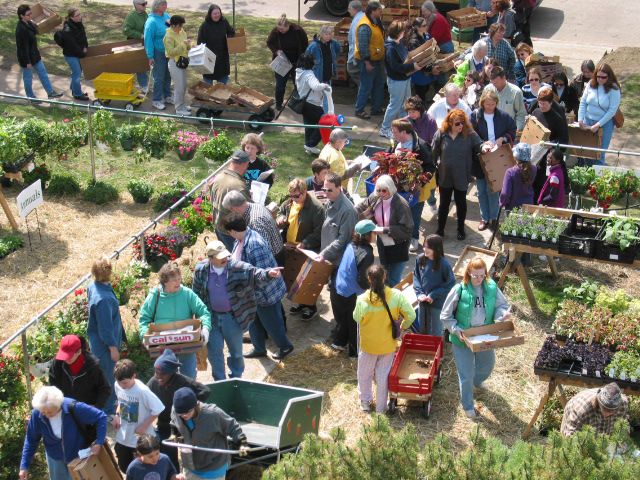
[
  {"x": 491, "y": 130},
  {"x": 56, "y": 424},
  {"x": 135, "y": 406}
]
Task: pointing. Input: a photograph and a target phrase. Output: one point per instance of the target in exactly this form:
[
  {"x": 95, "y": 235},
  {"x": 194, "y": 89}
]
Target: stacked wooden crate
[
  {"x": 425, "y": 55},
  {"x": 400, "y": 10},
  {"x": 341, "y": 35},
  {"x": 468, "y": 17},
  {"x": 548, "y": 66}
]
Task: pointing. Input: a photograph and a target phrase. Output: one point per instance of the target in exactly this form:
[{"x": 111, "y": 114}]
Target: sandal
[{"x": 364, "y": 115}]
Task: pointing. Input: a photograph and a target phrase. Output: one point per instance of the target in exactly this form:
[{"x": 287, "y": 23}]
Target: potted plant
[
  {"x": 129, "y": 135},
  {"x": 581, "y": 178},
  {"x": 122, "y": 284},
  {"x": 36, "y": 136},
  {"x": 405, "y": 169},
  {"x": 140, "y": 190},
  {"x": 187, "y": 142},
  {"x": 104, "y": 128},
  {"x": 158, "y": 250},
  {"x": 14, "y": 154},
  {"x": 179, "y": 239},
  {"x": 39, "y": 172},
  {"x": 157, "y": 134},
  {"x": 217, "y": 149},
  {"x": 605, "y": 189},
  {"x": 195, "y": 218}
]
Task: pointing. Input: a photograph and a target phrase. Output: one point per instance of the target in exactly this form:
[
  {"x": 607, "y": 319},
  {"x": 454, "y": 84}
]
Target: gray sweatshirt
[
  {"x": 478, "y": 316},
  {"x": 337, "y": 229}
]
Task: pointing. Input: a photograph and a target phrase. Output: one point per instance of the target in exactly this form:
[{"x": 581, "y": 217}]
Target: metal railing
[
  {"x": 139, "y": 236},
  {"x": 591, "y": 149}
]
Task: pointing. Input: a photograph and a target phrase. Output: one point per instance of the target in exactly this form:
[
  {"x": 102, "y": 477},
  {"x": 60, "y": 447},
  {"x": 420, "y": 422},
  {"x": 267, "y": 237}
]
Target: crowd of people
[{"x": 239, "y": 287}]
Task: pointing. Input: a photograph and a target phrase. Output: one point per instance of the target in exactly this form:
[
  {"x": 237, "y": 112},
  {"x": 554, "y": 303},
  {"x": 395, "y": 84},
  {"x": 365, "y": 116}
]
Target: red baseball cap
[{"x": 69, "y": 345}]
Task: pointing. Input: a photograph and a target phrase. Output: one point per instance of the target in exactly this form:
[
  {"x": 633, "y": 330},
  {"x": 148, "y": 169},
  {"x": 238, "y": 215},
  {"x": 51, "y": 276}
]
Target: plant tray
[
  {"x": 549, "y": 70},
  {"x": 118, "y": 84},
  {"x": 536, "y": 59},
  {"x": 579, "y": 239},
  {"x": 548, "y": 244},
  {"x": 511, "y": 239},
  {"x": 445, "y": 61},
  {"x": 467, "y": 17},
  {"x": 426, "y": 54},
  {"x": 252, "y": 99},
  {"x": 469, "y": 253},
  {"x": 507, "y": 331},
  {"x": 613, "y": 253}
]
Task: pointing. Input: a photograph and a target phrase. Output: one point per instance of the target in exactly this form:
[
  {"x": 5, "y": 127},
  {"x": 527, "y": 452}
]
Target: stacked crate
[
  {"x": 405, "y": 10},
  {"x": 548, "y": 66},
  {"x": 341, "y": 35}
]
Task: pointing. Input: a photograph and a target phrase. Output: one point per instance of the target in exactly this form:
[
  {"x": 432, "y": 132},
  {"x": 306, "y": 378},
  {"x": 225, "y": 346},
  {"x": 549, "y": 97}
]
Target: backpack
[{"x": 58, "y": 37}]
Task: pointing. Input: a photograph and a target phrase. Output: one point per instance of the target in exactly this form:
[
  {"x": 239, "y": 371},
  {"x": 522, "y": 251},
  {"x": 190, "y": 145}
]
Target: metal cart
[
  {"x": 274, "y": 418},
  {"x": 210, "y": 101},
  {"x": 416, "y": 367},
  {"x": 119, "y": 87}
]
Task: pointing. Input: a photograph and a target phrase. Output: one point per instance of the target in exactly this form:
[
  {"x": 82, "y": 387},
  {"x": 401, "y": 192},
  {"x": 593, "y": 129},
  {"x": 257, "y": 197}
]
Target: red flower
[{"x": 78, "y": 292}]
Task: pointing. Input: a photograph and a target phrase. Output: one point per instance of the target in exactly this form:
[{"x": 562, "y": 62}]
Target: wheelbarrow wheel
[
  {"x": 97, "y": 103},
  {"x": 268, "y": 115},
  {"x": 392, "y": 406},
  {"x": 129, "y": 107},
  {"x": 254, "y": 126},
  {"x": 205, "y": 114},
  {"x": 425, "y": 410},
  {"x": 439, "y": 374}
]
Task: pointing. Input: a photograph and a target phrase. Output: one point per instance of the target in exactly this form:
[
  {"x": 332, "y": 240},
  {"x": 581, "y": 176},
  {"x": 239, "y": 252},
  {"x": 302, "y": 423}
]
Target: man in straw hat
[
  {"x": 598, "y": 407},
  {"x": 227, "y": 288}
]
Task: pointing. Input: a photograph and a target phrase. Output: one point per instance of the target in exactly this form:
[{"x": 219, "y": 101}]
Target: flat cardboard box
[
  {"x": 237, "y": 44},
  {"x": 585, "y": 138},
  {"x": 507, "y": 331},
  {"x": 410, "y": 372},
  {"x": 495, "y": 164},
  {"x": 45, "y": 18},
  {"x": 252, "y": 99},
  {"x": 309, "y": 282},
  {"x": 406, "y": 287},
  {"x": 428, "y": 50},
  {"x": 101, "y": 58},
  {"x": 293, "y": 261},
  {"x": 96, "y": 467},
  {"x": 155, "y": 338},
  {"x": 534, "y": 132},
  {"x": 469, "y": 253}
]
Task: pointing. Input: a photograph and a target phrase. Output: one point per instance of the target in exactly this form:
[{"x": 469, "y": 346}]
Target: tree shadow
[
  {"x": 45, "y": 253},
  {"x": 545, "y": 22}
]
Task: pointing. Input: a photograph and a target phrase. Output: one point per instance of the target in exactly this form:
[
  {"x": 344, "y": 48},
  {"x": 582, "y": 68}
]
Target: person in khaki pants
[{"x": 176, "y": 45}]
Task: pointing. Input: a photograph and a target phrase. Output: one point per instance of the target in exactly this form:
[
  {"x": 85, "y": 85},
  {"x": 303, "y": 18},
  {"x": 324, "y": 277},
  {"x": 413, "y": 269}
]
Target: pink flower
[
  {"x": 197, "y": 201},
  {"x": 66, "y": 120},
  {"x": 174, "y": 222}
]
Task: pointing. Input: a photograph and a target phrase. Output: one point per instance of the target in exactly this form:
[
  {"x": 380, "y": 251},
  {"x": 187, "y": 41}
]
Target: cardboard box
[
  {"x": 469, "y": 253},
  {"x": 201, "y": 59},
  {"x": 96, "y": 467},
  {"x": 310, "y": 280},
  {"x": 585, "y": 138},
  {"x": 44, "y": 18},
  {"x": 293, "y": 261},
  {"x": 508, "y": 333},
  {"x": 536, "y": 59},
  {"x": 188, "y": 342},
  {"x": 406, "y": 287},
  {"x": 495, "y": 164},
  {"x": 101, "y": 58},
  {"x": 534, "y": 132},
  {"x": 237, "y": 44}
]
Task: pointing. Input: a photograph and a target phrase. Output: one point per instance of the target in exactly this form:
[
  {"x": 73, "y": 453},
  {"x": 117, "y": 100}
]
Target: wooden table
[{"x": 558, "y": 383}]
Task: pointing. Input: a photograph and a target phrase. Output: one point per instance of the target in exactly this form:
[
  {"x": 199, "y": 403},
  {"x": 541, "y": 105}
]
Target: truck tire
[{"x": 337, "y": 8}]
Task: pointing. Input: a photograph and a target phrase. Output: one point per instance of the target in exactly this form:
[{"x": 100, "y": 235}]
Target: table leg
[
  {"x": 552, "y": 266},
  {"x": 543, "y": 401},
  {"x": 508, "y": 267},
  {"x": 563, "y": 396},
  {"x": 522, "y": 273}
]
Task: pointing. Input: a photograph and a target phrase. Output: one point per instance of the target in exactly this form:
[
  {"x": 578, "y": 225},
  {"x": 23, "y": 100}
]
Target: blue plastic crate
[{"x": 410, "y": 197}]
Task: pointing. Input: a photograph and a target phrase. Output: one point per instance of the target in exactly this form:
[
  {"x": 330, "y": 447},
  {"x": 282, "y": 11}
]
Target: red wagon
[{"x": 416, "y": 367}]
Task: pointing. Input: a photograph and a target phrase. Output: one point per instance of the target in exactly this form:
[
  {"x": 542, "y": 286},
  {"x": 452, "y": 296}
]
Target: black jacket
[
  {"x": 503, "y": 126},
  {"x": 569, "y": 98},
  {"x": 395, "y": 55},
  {"x": 214, "y": 35},
  {"x": 165, "y": 394},
  {"x": 293, "y": 43},
  {"x": 89, "y": 386},
  {"x": 75, "y": 39},
  {"x": 27, "y": 43}
]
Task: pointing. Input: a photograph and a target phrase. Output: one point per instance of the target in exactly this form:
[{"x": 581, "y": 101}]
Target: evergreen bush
[
  {"x": 63, "y": 184},
  {"x": 100, "y": 193}
]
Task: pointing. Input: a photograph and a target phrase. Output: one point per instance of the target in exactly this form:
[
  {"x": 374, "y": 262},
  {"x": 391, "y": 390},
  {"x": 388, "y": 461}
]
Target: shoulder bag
[
  {"x": 296, "y": 102},
  {"x": 183, "y": 62},
  {"x": 395, "y": 325},
  {"x": 618, "y": 118}
]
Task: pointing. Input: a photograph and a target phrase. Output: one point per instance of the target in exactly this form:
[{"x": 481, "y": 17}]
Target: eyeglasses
[
  {"x": 559, "y": 84},
  {"x": 603, "y": 77},
  {"x": 477, "y": 275},
  {"x": 296, "y": 195},
  {"x": 458, "y": 124},
  {"x": 381, "y": 190}
]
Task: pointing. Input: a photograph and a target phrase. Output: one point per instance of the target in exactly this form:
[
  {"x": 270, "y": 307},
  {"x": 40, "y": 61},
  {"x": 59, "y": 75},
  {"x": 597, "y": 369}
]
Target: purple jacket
[
  {"x": 425, "y": 127},
  {"x": 552, "y": 193},
  {"x": 515, "y": 192}
]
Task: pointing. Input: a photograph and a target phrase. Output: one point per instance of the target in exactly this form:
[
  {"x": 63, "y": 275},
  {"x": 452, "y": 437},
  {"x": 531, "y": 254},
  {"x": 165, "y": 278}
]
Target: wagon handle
[{"x": 211, "y": 450}]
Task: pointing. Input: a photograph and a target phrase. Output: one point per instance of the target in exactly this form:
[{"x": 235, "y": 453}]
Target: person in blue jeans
[
  {"x": 29, "y": 56},
  {"x": 154, "y": 30},
  {"x": 104, "y": 328},
  {"x": 75, "y": 47},
  {"x": 251, "y": 248},
  {"x": 474, "y": 302},
  {"x": 227, "y": 287},
  {"x": 432, "y": 280}
]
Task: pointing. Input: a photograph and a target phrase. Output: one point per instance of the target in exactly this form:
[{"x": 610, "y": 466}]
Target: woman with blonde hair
[
  {"x": 454, "y": 147},
  {"x": 171, "y": 301},
  {"x": 474, "y": 302},
  {"x": 332, "y": 153},
  {"x": 375, "y": 311},
  {"x": 253, "y": 145},
  {"x": 523, "y": 50},
  {"x": 104, "y": 328},
  {"x": 532, "y": 88}
]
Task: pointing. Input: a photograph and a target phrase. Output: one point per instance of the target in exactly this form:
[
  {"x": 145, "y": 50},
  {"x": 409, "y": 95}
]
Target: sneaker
[
  {"x": 385, "y": 133},
  {"x": 158, "y": 105},
  {"x": 282, "y": 353},
  {"x": 55, "y": 94},
  {"x": 339, "y": 348},
  {"x": 246, "y": 338},
  {"x": 461, "y": 235},
  {"x": 168, "y": 100},
  {"x": 254, "y": 354},
  {"x": 84, "y": 97},
  {"x": 278, "y": 106},
  {"x": 365, "y": 406},
  {"x": 308, "y": 313},
  {"x": 296, "y": 309},
  {"x": 471, "y": 413},
  {"x": 184, "y": 113},
  {"x": 483, "y": 386},
  {"x": 415, "y": 245},
  {"x": 312, "y": 150},
  {"x": 433, "y": 208}
]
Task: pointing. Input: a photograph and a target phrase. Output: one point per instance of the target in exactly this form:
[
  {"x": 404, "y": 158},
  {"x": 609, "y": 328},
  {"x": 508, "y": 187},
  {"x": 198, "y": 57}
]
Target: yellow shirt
[
  {"x": 337, "y": 162},
  {"x": 292, "y": 231},
  {"x": 174, "y": 44}
]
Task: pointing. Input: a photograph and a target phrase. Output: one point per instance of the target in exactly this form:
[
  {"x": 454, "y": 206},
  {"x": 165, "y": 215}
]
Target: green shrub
[
  {"x": 12, "y": 390},
  {"x": 104, "y": 128},
  {"x": 218, "y": 148},
  {"x": 9, "y": 244},
  {"x": 36, "y": 136},
  {"x": 100, "y": 193},
  {"x": 134, "y": 350},
  {"x": 140, "y": 190},
  {"x": 12, "y": 427},
  {"x": 63, "y": 184},
  {"x": 39, "y": 172}
]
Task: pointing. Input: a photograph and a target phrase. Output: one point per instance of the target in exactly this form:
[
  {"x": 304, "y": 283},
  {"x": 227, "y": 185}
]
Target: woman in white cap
[{"x": 517, "y": 186}]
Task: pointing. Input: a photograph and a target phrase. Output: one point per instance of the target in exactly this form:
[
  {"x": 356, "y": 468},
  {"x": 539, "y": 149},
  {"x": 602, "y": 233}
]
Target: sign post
[{"x": 28, "y": 200}]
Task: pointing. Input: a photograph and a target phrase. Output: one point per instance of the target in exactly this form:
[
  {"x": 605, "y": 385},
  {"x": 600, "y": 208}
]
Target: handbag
[
  {"x": 395, "y": 326},
  {"x": 618, "y": 119},
  {"x": 183, "y": 62},
  {"x": 296, "y": 102}
]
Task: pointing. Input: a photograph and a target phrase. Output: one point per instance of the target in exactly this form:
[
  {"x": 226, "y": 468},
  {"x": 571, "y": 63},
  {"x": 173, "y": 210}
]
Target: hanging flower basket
[
  {"x": 186, "y": 155},
  {"x": 156, "y": 262}
]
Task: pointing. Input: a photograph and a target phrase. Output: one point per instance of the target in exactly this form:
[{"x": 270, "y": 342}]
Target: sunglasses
[
  {"x": 295, "y": 195},
  {"x": 381, "y": 190},
  {"x": 458, "y": 124},
  {"x": 602, "y": 77},
  {"x": 559, "y": 84}
]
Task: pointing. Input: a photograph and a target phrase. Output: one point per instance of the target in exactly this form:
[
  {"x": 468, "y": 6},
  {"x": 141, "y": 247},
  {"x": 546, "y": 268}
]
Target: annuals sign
[{"x": 30, "y": 198}]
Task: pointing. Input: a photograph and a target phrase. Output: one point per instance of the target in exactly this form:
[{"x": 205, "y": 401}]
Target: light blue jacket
[
  {"x": 315, "y": 50},
  {"x": 598, "y": 105},
  {"x": 154, "y": 30},
  {"x": 352, "y": 37}
]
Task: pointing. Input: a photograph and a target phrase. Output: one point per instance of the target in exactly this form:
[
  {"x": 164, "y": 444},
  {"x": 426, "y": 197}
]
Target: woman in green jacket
[
  {"x": 176, "y": 45},
  {"x": 133, "y": 29},
  {"x": 171, "y": 302},
  {"x": 475, "y": 301}
]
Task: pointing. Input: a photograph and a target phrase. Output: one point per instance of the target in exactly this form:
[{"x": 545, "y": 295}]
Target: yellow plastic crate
[{"x": 114, "y": 83}]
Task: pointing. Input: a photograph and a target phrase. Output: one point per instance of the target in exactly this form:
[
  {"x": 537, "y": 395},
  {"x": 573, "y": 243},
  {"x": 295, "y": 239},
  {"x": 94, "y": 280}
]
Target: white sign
[{"x": 30, "y": 198}]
